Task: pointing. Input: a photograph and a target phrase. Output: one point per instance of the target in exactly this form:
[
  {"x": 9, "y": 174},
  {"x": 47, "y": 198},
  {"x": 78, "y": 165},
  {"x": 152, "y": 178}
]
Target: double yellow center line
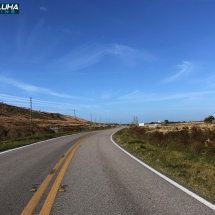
[{"x": 30, "y": 207}]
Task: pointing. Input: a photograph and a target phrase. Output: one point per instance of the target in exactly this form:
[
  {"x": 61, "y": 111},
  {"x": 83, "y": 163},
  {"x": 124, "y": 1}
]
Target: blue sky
[{"x": 113, "y": 59}]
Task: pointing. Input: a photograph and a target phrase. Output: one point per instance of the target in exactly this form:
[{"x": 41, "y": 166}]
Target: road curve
[{"x": 100, "y": 179}]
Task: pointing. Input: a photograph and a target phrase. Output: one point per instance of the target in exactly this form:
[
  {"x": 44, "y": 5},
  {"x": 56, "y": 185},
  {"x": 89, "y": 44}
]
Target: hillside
[{"x": 18, "y": 116}]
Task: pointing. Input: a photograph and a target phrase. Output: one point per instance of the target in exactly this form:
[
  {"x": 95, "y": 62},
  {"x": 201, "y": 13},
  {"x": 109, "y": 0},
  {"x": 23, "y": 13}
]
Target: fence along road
[{"x": 101, "y": 179}]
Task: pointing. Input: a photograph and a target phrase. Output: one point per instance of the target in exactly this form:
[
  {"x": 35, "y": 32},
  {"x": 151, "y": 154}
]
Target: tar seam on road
[
  {"x": 30, "y": 207},
  {"x": 205, "y": 202}
]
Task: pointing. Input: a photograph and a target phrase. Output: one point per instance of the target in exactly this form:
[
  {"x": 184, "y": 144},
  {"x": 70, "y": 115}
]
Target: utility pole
[
  {"x": 100, "y": 120},
  {"x": 106, "y": 120},
  {"x": 95, "y": 120},
  {"x": 91, "y": 120},
  {"x": 3, "y": 107},
  {"x": 75, "y": 117},
  {"x": 109, "y": 121},
  {"x": 31, "y": 110}
]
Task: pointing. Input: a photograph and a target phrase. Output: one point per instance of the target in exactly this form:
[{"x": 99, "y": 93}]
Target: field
[
  {"x": 184, "y": 152},
  {"x": 18, "y": 116},
  {"x": 16, "y": 129},
  {"x": 179, "y": 126}
]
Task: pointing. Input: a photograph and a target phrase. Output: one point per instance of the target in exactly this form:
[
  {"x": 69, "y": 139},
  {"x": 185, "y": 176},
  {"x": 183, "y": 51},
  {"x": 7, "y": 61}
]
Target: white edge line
[
  {"x": 205, "y": 202},
  {"x": 38, "y": 142}
]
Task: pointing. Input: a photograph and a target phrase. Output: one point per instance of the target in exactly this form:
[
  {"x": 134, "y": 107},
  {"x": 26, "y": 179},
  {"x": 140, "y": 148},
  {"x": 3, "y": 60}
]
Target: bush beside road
[{"x": 187, "y": 156}]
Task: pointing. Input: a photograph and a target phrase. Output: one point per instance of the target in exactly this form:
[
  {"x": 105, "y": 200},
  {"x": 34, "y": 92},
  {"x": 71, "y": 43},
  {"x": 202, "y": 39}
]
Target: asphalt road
[{"x": 100, "y": 179}]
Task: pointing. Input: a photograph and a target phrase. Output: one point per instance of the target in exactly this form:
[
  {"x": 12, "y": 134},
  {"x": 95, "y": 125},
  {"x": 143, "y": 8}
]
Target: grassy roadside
[
  {"x": 195, "y": 171},
  {"x": 18, "y": 142}
]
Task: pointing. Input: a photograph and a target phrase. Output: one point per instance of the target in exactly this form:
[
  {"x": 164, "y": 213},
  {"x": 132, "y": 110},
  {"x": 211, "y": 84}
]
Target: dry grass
[
  {"x": 179, "y": 126},
  {"x": 15, "y": 125},
  {"x": 19, "y": 116}
]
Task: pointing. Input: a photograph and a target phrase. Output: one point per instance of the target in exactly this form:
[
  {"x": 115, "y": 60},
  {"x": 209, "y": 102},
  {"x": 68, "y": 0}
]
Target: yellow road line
[
  {"x": 30, "y": 207},
  {"x": 53, "y": 192}
]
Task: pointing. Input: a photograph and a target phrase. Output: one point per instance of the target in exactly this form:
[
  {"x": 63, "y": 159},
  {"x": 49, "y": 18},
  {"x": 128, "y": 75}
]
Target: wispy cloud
[
  {"x": 34, "y": 36},
  {"x": 138, "y": 97},
  {"x": 106, "y": 95},
  {"x": 208, "y": 81},
  {"x": 41, "y": 103},
  {"x": 109, "y": 94},
  {"x": 186, "y": 68},
  {"x": 82, "y": 57},
  {"x": 129, "y": 55},
  {"x": 79, "y": 58},
  {"x": 134, "y": 96},
  {"x": 91, "y": 54},
  {"x": 31, "y": 88},
  {"x": 182, "y": 95},
  {"x": 43, "y": 8},
  {"x": 53, "y": 28}
]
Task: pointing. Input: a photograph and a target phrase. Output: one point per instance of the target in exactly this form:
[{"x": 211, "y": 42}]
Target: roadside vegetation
[
  {"x": 14, "y": 137},
  {"x": 17, "y": 130},
  {"x": 186, "y": 154},
  {"x": 19, "y": 116}
]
